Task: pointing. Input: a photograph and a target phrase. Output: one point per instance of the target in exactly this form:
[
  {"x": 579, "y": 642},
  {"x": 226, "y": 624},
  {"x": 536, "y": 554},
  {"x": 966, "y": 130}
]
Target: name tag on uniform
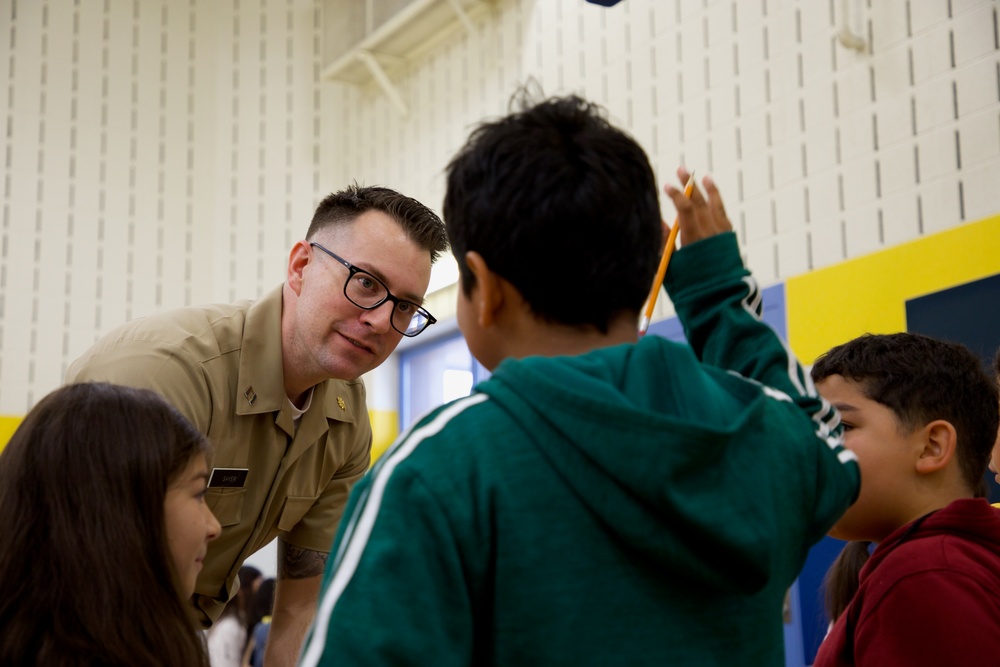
[{"x": 228, "y": 478}]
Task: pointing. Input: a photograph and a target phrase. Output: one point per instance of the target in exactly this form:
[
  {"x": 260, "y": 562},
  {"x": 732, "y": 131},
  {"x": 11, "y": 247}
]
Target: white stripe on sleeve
[{"x": 363, "y": 521}]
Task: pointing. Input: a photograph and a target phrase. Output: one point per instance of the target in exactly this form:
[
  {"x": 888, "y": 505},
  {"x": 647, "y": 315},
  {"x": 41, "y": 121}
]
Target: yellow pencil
[{"x": 668, "y": 250}]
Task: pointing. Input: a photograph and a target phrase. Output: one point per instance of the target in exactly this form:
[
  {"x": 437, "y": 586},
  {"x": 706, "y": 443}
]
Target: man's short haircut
[
  {"x": 562, "y": 205},
  {"x": 921, "y": 379},
  {"x": 421, "y": 224}
]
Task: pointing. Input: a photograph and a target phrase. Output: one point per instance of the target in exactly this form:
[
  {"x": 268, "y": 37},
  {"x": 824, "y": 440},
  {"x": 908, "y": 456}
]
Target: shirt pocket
[
  {"x": 226, "y": 505},
  {"x": 295, "y": 508}
]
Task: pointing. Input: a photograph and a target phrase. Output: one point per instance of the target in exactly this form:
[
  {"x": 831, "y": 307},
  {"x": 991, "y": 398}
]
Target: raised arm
[
  {"x": 719, "y": 304},
  {"x": 713, "y": 294}
]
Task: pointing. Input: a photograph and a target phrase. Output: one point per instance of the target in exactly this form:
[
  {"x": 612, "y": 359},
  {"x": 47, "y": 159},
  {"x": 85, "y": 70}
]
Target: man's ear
[
  {"x": 940, "y": 442},
  {"x": 299, "y": 257},
  {"x": 487, "y": 295}
]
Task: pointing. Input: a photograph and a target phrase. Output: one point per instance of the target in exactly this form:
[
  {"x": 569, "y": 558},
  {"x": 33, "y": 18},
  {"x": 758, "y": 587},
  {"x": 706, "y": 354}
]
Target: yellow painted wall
[
  {"x": 385, "y": 428},
  {"x": 868, "y": 294},
  {"x": 7, "y": 427}
]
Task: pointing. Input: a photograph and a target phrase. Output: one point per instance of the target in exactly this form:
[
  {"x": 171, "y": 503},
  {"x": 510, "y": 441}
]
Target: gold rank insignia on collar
[
  {"x": 250, "y": 395},
  {"x": 340, "y": 402}
]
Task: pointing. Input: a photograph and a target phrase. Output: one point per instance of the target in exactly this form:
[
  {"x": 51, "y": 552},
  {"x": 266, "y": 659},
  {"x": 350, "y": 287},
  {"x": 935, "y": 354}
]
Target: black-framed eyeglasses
[{"x": 368, "y": 292}]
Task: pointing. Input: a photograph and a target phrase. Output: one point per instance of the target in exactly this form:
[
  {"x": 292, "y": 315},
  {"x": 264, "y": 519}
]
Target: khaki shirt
[{"x": 220, "y": 365}]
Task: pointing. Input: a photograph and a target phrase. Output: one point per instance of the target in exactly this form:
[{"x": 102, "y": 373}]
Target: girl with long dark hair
[{"x": 102, "y": 504}]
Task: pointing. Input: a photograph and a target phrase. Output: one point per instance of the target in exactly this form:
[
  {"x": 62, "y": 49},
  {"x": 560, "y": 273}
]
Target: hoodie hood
[
  {"x": 971, "y": 520},
  {"x": 629, "y": 429}
]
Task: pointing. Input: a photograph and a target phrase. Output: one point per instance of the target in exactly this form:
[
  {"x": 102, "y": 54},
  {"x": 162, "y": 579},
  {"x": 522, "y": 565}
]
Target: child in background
[
  {"x": 229, "y": 637},
  {"x": 264, "y": 605},
  {"x": 105, "y": 529},
  {"x": 921, "y": 415}
]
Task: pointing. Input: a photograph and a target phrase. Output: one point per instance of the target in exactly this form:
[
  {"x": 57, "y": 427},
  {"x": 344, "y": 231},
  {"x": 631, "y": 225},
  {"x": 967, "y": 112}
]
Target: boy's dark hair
[
  {"x": 421, "y": 224},
  {"x": 922, "y": 379},
  {"x": 562, "y": 205}
]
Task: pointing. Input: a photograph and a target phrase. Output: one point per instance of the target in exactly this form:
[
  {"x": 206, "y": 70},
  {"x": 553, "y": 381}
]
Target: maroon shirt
[{"x": 929, "y": 595}]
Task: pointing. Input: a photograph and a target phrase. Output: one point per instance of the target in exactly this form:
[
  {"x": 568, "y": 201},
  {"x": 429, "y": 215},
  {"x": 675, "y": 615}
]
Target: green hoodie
[{"x": 631, "y": 506}]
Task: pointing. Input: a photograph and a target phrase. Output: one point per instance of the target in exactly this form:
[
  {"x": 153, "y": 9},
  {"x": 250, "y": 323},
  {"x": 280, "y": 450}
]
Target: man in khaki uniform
[{"x": 274, "y": 385}]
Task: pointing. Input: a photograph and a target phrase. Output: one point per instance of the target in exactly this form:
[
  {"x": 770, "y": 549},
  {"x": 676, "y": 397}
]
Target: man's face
[
  {"x": 886, "y": 456},
  {"x": 330, "y": 337}
]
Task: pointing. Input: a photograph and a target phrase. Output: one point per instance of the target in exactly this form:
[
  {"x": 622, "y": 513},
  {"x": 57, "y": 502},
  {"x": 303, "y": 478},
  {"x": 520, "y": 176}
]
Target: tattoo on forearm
[{"x": 297, "y": 563}]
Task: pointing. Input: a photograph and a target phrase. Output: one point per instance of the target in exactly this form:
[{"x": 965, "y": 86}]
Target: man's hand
[
  {"x": 699, "y": 218},
  {"x": 296, "y": 591}
]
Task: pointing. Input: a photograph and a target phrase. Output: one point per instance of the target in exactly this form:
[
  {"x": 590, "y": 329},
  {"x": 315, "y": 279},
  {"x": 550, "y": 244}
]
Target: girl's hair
[
  {"x": 841, "y": 581},
  {"x": 85, "y": 568}
]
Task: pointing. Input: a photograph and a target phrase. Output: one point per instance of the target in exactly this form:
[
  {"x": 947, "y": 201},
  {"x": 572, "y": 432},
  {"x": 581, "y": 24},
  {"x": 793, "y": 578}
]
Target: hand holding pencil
[{"x": 697, "y": 218}]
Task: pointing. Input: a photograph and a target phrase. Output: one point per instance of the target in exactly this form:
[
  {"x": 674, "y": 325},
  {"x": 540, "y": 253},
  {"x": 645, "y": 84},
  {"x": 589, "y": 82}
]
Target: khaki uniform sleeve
[{"x": 167, "y": 370}]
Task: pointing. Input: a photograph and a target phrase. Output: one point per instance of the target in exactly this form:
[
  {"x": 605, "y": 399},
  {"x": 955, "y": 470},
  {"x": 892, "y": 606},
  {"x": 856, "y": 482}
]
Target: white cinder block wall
[{"x": 157, "y": 153}]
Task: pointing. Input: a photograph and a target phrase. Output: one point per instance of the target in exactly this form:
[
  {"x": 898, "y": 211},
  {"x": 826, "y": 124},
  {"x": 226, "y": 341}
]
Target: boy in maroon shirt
[{"x": 921, "y": 416}]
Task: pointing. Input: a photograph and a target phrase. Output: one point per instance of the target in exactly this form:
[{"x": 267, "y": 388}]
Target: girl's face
[{"x": 190, "y": 524}]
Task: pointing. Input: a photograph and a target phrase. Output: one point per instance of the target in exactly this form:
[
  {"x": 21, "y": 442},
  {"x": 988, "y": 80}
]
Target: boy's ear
[
  {"x": 940, "y": 442},
  {"x": 487, "y": 295}
]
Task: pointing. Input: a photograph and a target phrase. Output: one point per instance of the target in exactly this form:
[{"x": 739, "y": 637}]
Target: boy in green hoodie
[{"x": 600, "y": 499}]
